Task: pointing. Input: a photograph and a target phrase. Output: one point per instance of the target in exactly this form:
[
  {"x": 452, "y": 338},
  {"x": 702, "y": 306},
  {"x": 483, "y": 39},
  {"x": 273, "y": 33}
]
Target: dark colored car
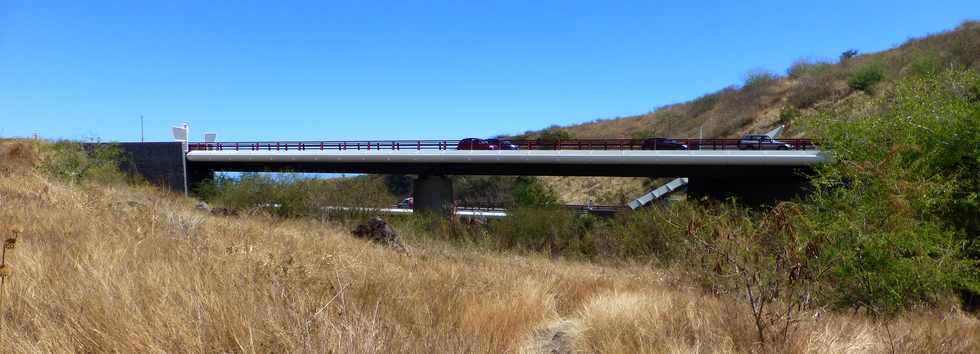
[
  {"x": 475, "y": 144},
  {"x": 407, "y": 203},
  {"x": 761, "y": 142},
  {"x": 503, "y": 144},
  {"x": 662, "y": 144}
]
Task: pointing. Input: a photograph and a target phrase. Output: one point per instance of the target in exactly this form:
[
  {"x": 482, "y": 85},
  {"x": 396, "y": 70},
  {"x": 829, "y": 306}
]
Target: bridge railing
[{"x": 576, "y": 144}]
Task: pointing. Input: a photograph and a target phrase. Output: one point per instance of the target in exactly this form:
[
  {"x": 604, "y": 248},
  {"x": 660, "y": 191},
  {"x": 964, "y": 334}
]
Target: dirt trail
[{"x": 559, "y": 337}]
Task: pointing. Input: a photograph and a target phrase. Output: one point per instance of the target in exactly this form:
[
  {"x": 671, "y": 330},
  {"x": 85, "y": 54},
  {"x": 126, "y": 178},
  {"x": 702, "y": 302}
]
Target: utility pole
[{"x": 141, "y": 128}]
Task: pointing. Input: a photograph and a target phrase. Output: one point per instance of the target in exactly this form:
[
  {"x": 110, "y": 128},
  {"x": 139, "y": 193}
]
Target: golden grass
[
  {"x": 600, "y": 190},
  {"x": 132, "y": 269}
]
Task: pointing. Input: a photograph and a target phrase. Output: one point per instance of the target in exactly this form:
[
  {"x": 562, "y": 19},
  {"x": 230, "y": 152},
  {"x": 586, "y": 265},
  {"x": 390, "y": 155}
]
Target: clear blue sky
[{"x": 367, "y": 69}]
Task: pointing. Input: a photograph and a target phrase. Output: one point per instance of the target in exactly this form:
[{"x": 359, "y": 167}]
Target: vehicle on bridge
[
  {"x": 475, "y": 144},
  {"x": 762, "y": 142},
  {"x": 662, "y": 144},
  {"x": 485, "y": 144},
  {"x": 503, "y": 144}
]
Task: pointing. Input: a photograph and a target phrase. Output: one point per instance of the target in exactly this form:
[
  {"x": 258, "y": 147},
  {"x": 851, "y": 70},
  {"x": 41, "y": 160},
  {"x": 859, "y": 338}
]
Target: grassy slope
[
  {"x": 734, "y": 111},
  {"x": 132, "y": 269}
]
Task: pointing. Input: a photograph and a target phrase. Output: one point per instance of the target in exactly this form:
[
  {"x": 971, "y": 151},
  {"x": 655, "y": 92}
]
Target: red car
[{"x": 476, "y": 144}]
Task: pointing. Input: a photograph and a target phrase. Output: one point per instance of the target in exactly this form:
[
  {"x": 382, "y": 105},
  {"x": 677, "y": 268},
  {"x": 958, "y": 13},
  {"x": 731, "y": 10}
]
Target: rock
[
  {"x": 203, "y": 206},
  {"x": 379, "y": 231}
]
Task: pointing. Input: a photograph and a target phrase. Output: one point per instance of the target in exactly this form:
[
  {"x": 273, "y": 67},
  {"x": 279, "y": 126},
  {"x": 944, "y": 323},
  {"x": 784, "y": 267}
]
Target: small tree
[{"x": 848, "y": 54}]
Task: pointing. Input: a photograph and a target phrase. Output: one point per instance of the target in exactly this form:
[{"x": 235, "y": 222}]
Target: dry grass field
[{"x": 120, "y": 268}]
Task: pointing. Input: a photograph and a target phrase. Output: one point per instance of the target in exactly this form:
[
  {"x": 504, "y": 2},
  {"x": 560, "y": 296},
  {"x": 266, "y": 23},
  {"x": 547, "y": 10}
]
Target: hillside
[
  {"x": 104, "y": 266},
  {"x": 766, "y": 100}
]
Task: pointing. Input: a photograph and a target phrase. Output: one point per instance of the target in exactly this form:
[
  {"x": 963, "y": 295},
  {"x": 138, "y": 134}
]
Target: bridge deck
[{"x": 639, "y": 163}]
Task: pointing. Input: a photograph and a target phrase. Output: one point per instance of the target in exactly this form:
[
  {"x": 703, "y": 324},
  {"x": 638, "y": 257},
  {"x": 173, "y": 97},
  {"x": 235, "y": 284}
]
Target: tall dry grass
[{"x": 132, "y": 269}]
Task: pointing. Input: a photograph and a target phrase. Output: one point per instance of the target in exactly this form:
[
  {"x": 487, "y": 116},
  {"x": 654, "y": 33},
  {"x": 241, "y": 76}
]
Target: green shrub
[
  {"x": 924, "y": 65},
  {"x": 788, "y": 113},
  {"x": 865, "y": 77},
  {"x": 552, "y": 230},
  {"x": 906, "y": 168},
  {"x": 555, "y": 133},
  {"x": 70, "y": 161},
  {"x": 646, "y": 233},
  {"x": 530, "y": 192},
  {"x": 292, "y": 196}
]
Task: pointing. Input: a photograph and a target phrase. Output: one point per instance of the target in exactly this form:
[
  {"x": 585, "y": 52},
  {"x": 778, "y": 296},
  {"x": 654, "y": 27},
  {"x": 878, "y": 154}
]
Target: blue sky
[{"x": 404, "y": 70}]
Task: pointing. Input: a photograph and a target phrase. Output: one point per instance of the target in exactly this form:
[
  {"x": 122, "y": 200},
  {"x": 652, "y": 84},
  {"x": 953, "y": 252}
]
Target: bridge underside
[{"x": 752, "y": 185}]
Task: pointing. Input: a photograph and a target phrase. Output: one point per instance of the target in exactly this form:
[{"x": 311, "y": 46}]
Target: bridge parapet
[{"x": 577, "y": 144}]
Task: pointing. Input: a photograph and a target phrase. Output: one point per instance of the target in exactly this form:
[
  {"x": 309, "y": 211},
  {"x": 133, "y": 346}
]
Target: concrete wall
[{"x": 159, "y": 163}]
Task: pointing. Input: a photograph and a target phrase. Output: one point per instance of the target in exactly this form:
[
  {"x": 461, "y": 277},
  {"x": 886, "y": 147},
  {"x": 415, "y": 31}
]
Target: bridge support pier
[
  {"x": 433, "y": 194},
  {"x": 751, "y": 191}
]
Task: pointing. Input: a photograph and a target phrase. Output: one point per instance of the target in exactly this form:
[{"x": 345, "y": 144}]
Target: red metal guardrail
[{"x": 576, "y": 144}]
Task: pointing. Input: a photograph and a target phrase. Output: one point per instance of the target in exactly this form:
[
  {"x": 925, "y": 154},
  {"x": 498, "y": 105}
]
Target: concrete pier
[{"x": 433, "y": 194}]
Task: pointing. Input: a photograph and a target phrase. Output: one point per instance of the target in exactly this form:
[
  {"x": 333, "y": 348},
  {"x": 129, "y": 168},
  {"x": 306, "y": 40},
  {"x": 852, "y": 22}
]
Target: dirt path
[{"x": 557, "y": 338}]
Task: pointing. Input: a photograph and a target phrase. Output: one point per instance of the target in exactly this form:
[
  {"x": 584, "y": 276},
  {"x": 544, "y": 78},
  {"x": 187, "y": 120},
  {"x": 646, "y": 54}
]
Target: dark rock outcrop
[{"x": 377, "y": 230}]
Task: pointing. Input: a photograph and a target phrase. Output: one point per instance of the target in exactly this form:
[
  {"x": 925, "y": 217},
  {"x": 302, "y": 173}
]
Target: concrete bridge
[{"x": 718, "y": 168}]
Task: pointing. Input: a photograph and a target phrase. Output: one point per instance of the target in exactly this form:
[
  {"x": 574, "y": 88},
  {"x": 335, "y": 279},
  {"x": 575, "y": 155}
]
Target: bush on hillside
[
  {"x": 550, "y": 230},
  {"x": 69, "y": 161},
  {"x": 865, "y": 77},
  {"x": 644, "y": 233},
  {"x": 810, "y": 91},
  {"x": 555, "y": 133},
  {"x": 815, "y": 83},
  {"x": 804, "y": 67},
  {"x": 758, "y": 78},
  {"x": 906, "y": 161},
  {"x": 788, "y": 114},
  {"x": 738, "y": 107},
  {"x": 924, "y": 64},
  {"x": 702, "y": 105}
]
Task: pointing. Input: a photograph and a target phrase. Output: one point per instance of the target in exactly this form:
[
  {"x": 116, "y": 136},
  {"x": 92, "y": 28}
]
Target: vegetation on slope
[
  {"x": 767, "y": 99},
  {"x": 106, "y": 266}
]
